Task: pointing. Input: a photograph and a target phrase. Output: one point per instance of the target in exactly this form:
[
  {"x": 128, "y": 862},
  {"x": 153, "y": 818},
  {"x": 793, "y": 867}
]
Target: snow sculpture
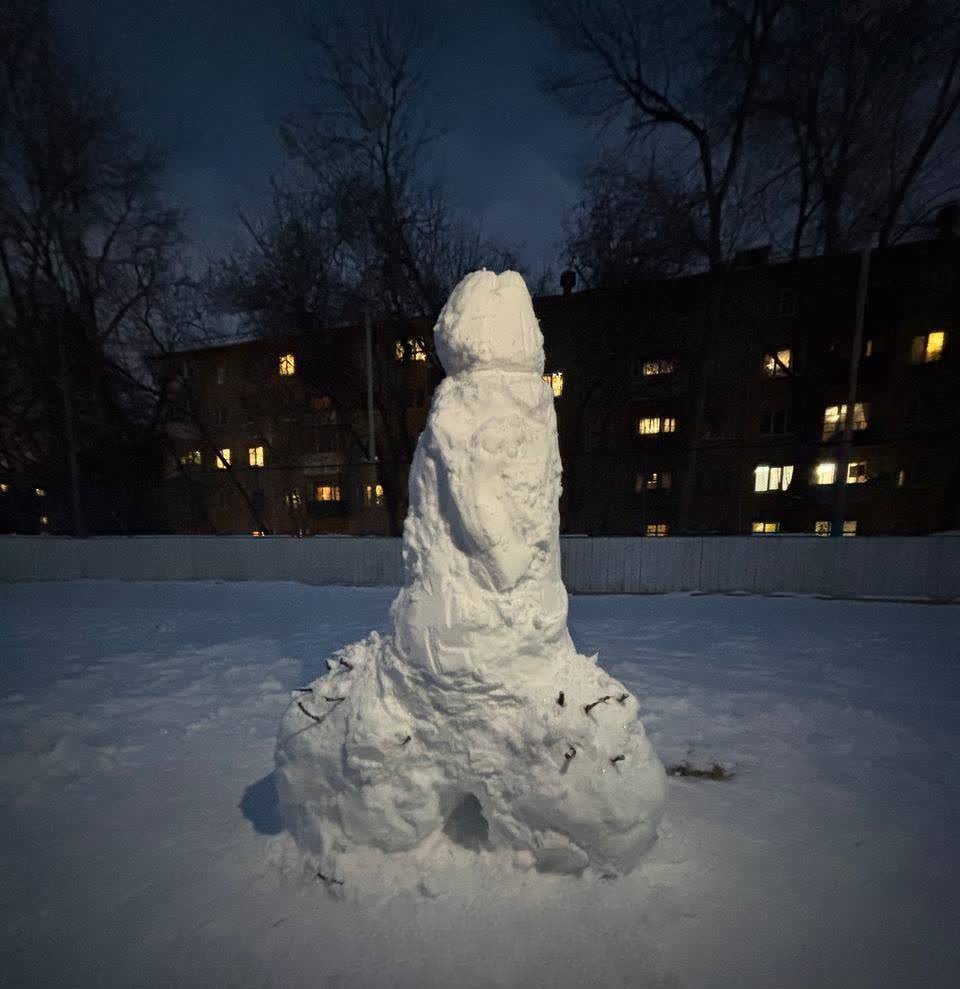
[{"x": 476, "y": 720}]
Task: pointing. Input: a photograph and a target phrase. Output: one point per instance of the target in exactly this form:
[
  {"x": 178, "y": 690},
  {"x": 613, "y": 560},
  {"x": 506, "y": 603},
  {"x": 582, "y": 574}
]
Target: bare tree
[
  {"x": 85, "y": 243},
  {"x": 630, "y": 225},
  {"x": 867, "y": 97},
  {"x": 358, "y": 231}
]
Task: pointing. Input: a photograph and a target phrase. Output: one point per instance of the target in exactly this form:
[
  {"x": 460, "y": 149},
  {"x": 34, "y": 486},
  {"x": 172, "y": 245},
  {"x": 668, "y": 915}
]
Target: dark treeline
[{"x": 812, "y": 125}]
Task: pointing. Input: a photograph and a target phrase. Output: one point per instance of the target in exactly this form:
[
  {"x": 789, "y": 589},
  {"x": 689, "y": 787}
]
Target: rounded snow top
[{"x": 488, "y": 322}]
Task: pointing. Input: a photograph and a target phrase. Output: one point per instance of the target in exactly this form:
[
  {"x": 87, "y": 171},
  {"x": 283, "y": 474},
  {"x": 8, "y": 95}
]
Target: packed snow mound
[
  {"x": 488, "y": 322},
  {"x": 476, "y": 723}
]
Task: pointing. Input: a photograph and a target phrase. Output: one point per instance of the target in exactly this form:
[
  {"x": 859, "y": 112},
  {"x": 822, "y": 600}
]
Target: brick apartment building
[{"x": 273, "y": 435}]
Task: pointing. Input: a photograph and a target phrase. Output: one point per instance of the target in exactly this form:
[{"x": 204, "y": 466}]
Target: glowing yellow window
[
  {"x": 255, "y": 456},
  {"x": 657, "y": 529},
  {"x": 223, "y": 458},
  {"x": 191, "y": 458},
  {"x": 765, "y": 528},
  {"x": 825, "y": 472},
  {"x": 772, "y": 478},
  {"x": 669, "y": 424},
  {"x": 288, "y": 365},
  {"x": 555, "y": 380},
  {"x": 257, "y": 532},
  {"x": 822, "y": 528},
  {"x": 835, "y": 418},
  {"x": 41, "y": 492},
  {"x": 777, "y": 365},
  {"x": 327, "y": 492},
  {"x": 857, "y": 472},
  {"x": 44, "y": 520},
  {"x": 373, "y": 494},
  {"x": 649, "y": 425},
  {"x": 928, "y": 347},
  {"x": 4, "y": 488},
  {"x": 292, "y": 499},
  {"x": 662, "y": 366},
  {"x": 850, "y": 527}
]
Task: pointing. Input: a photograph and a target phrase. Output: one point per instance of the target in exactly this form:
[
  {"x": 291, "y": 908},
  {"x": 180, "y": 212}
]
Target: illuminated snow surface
[
  {"x": 475, "y": 718},
  {"x": 140, "y": 833}
]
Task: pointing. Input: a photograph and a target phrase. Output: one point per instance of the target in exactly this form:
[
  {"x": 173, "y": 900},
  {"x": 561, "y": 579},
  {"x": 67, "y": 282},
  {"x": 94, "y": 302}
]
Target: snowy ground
[{"x": 137, "y": 724}]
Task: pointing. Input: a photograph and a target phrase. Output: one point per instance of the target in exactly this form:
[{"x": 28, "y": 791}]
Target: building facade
[{"x": 713, "y": 403}]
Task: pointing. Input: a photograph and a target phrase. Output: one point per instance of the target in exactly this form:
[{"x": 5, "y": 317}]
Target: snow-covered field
[{"x": 140, "y": 837}]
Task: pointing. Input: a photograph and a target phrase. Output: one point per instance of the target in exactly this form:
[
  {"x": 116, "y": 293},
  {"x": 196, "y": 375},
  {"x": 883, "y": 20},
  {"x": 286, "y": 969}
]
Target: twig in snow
[
  {"x": 309, "y": 714},
  {"x": 560, "y": 699},
  {"x": 329, "y": 880},
  {"x": 587, "y": 708},
  {"x": 345, "y": 664},
  {"x": 404, "y": 742},
  {"x": 303, "y": 690},
  {"x": 618, "y": 758},
  {"x": 622, "y": 699},
  {"x": 334, "y": 700},
  {"x": 570, "y": 753}
]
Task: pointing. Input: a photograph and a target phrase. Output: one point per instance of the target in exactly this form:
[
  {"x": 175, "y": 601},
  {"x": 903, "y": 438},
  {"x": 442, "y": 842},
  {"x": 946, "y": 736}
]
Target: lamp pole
[{"x": 840, "y": 481}]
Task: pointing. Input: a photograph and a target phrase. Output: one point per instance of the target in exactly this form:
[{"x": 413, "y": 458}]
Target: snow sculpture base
[{"x": 475, "y": 727}]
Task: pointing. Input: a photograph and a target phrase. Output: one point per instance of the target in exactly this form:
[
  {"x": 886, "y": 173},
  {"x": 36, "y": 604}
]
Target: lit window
[
  {"x": 399, "y": 351},
  {"x": 4, "y": 488},
  {"x": 656, "y": 424},
  {"x": 292, "y": 499},
  {"x": 221, "y": 374},
  {"x": 255, "y": 456},
  {"x": 868, "y": 349},
  {"x": 192, "y": 458},
  {"x": 418, "y": 350},
  {"x": 764, "y": 528},
  {"x": 901, "y": 477},
  {"x": 223, "y": 458},
  {"x": 657, "y": 529},
  {"x": 44, "y": 520},
  {"x": 777, "y": 365},
  {"x": 835, "y": 417},
  {"x": 288, "y": 365},
  {"x": 824, "y": 528},
  {"x": 555, "y": 380},
  {"x": 373, "y": 494},
  {"x": 857, "y": 472},
  {"x": 662, "y": 366},
  {"x": 825, "y": 473},
  {"x": 656, "y": 480},
  {"x": 928, "y": 348},
  {"x": 257, "y": 532},
  {"x": 41, "y": 492},
  {"x": 769, "y": 478},
  {"x": 327, "y": 492}
]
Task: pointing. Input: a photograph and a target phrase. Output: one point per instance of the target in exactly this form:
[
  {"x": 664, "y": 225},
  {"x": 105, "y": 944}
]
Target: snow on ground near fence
[{"x": 137, "y": 725}]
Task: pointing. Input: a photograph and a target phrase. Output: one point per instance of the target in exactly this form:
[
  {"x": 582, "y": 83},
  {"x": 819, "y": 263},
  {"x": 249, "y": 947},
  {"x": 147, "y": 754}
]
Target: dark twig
[
  {"x": 622, "y": 699},
  {"x": 618, "y": 758},
  {"x": 345, "y": 664},
  {"x": 589, "y": 707},
  {"x": 329, "y": 880},
  {"x": 334, "y": 700},
  {"x": 404, "y": 742},
  {"x": 560, "y": 699},
  {"x": 570, "y": 753},
  {"x": 715, "y": 772},
  {"x": 303, "y": 690},
  {"x": 309, "y": 714}
]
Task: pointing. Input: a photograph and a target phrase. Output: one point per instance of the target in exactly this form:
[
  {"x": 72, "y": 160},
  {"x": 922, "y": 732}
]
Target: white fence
[{"x": 925, "y": 567}]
